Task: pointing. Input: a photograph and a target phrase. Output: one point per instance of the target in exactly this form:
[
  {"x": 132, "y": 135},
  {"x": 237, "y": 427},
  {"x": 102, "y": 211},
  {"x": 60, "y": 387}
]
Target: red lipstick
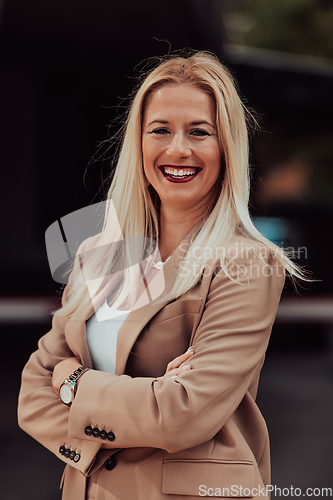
[{"x": 179, "y": 173}]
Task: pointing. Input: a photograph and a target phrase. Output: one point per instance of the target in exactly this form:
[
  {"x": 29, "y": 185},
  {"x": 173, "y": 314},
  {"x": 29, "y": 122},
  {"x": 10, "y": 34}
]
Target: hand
[
  {"x": 174, "y": 368},
  {"x": 63, "y": 370}
]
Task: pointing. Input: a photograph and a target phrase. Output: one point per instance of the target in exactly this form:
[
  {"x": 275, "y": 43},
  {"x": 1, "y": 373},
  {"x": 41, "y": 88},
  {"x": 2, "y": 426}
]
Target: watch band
[
  {"x": 67, "y": 388},
  {"x": 77, "y": 373}
]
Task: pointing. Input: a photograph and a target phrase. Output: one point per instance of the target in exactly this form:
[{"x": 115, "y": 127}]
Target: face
[{"x": 181, "y": 152}]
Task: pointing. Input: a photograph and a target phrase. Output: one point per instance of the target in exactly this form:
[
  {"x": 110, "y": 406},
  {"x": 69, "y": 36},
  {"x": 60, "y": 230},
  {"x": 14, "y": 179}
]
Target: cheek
[
  {"x": 214, "y": 159},
  {"x": 148, "y": 160}
]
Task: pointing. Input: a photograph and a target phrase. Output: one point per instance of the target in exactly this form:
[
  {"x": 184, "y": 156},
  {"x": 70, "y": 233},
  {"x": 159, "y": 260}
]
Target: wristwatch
[{"x": 67, "y": 388}]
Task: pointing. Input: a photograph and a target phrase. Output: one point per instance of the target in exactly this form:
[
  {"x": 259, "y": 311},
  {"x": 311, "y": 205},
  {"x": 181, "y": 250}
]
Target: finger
[
  {"x": 175, "y": 363},
  {"x": 177, "y": 371},
  {"x": 184, "y": 368},
  {"x": 174, "y": 372}
]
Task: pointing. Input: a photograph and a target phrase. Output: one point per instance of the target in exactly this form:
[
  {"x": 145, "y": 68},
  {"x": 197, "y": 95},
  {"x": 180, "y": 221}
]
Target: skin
[{"x": 179, "y": 131}]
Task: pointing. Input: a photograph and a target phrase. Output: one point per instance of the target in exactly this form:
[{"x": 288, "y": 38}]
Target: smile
[{"x": 179, "y": 174}]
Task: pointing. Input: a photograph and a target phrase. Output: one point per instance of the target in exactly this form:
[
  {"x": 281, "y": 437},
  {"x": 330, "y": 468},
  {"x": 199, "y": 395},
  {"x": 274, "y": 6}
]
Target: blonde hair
[{"x": 136, "y": 204}]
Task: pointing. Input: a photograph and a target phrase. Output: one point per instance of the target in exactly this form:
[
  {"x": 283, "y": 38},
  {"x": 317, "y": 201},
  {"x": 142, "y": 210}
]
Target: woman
[{"x": 166, "y": 420}]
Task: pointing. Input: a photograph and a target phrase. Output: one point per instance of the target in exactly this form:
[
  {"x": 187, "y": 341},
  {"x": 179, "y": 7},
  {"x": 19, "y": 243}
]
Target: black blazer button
[
  {"x": 111, "y": 436},
  {"x": 110, "y": 463},
  {"x": 62, "y": 450},
  {"x": 96, "y": 432},
  {"x": 103, "y": 434},
  {"x": 67, "y": 452},
  {"x": 77, "y": 457},
  {"x": 88, "y": 430},
  {"x": 72, "y": 455}
]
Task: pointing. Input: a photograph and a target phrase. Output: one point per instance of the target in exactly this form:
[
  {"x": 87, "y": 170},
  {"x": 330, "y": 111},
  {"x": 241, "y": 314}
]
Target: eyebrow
[{"x": 199, "y": 122}]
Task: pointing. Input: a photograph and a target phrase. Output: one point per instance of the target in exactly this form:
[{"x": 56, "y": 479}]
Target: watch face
[{"x": 65, "y": 394}]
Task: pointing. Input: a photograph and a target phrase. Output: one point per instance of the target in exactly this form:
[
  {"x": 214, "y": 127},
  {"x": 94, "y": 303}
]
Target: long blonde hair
[{"x": 136, "y": 204}]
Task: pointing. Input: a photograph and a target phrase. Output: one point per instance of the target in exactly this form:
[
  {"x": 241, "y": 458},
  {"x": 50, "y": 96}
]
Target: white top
[{"x": 102, "y": 332}]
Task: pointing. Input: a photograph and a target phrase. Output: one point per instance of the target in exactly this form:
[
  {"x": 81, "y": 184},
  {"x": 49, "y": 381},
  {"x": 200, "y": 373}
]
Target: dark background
[{"x": 66, "y": 68}]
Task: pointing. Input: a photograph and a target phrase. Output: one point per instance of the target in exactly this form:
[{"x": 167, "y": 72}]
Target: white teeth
[{"x": 180, "y": 173}]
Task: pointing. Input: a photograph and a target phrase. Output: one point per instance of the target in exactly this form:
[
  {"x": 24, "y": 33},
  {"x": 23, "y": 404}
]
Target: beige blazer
[{"x": 139, "y": 438}]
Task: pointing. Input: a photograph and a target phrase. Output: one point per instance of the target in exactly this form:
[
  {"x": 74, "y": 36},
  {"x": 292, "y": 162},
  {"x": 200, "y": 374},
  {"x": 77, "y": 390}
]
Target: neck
[{"x": 174, "y": 226}]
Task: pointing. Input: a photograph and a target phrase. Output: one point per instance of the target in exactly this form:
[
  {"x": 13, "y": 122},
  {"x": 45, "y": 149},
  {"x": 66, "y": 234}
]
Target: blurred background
[{"x": 66, "y": 68}]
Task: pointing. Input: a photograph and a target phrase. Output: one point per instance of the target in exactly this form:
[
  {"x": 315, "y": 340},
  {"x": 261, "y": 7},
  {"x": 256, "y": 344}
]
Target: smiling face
[{"x": 181, "y": 152}]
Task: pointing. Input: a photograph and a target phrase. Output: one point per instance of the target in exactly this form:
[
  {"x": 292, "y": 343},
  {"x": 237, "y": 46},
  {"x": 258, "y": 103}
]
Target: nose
[{"x": 179, "y": 147}]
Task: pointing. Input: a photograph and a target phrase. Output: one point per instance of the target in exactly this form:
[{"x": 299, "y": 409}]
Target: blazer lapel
[
  {"x": 75, "y": 331},
  {"x": 131, "y": 329},
  {"x": 135, "y": 322},
  {"x": 140, "y": 316}
]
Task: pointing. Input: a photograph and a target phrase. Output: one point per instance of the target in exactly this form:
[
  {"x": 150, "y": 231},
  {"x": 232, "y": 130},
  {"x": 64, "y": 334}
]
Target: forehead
[{"x": 180, "y": 100}]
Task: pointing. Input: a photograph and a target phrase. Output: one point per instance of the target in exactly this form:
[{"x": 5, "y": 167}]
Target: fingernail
[
  {"x": 190, "y": 349},
  {"x": 186, "y": 367},
  {"x": 174, "y": 376}
]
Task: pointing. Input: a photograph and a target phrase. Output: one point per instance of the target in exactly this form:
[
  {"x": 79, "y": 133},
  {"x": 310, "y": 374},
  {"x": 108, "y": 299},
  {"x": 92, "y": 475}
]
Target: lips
[{"x": 175, "y": 173}]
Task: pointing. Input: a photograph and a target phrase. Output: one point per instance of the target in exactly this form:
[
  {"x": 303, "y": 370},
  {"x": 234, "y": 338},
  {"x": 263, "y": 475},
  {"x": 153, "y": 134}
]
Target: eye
[
  {"x": 199, "y": 132},
  {"x": 160, "y": 131}
]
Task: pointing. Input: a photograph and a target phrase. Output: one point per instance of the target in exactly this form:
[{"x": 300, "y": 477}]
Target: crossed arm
[
  {"x": 168, "y": 413},
  {"x": 63, "y": 369}
]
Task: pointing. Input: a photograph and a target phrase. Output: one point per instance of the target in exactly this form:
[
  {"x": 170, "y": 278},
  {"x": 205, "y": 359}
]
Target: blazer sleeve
[
  {"x": 177, "y": 414},
  {"x": 40, "y": 411}
]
